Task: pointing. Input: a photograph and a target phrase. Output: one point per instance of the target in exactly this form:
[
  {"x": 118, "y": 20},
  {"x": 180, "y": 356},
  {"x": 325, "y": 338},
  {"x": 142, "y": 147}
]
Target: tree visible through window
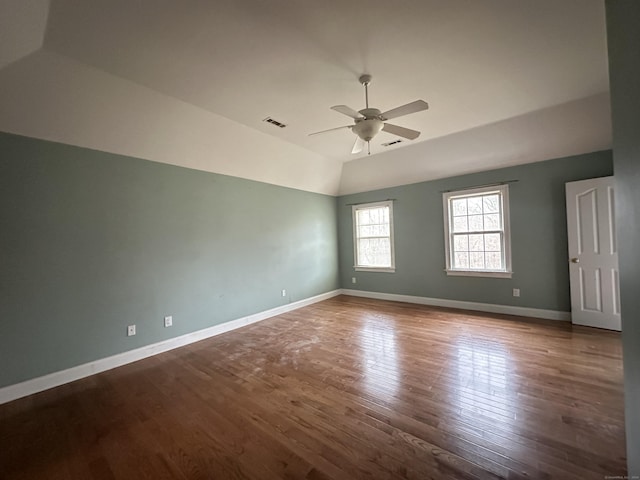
[
  {"x": 477, "y": 231},
  {"x": 373, "y": 236}
]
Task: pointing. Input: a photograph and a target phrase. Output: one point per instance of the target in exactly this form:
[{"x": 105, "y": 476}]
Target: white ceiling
[{"x": 479, "y": 63}]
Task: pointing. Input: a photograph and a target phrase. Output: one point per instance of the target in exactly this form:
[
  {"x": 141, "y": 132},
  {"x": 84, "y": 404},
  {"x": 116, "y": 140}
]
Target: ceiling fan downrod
[{"x": 365, "y": 80}]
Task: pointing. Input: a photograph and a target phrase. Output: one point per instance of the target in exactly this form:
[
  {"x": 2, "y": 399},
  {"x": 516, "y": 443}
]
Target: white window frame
[
  {"x": 505, "y": 231},
  {"x": 364, "y": 268}
]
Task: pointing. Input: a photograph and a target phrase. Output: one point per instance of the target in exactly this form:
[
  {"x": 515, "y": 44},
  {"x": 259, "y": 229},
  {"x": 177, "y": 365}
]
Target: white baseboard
[
  {"x": 39, "y": 384},
  {"x": 481, "y": 307}
]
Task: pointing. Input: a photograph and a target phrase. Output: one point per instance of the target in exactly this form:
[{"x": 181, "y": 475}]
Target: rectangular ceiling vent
[
  {"x": 274, "y": 122},
  {"x": 388, "y": 144}
]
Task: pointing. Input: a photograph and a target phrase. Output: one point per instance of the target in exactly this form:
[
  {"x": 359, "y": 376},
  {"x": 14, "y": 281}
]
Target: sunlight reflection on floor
[
  {"x": 381, "y": 372},
  {"x": 484, "y": 384}
]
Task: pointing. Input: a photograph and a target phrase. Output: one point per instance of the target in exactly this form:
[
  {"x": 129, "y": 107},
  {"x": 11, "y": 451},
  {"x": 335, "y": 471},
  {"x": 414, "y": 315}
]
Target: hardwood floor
[{"x": 347, "y": 388}]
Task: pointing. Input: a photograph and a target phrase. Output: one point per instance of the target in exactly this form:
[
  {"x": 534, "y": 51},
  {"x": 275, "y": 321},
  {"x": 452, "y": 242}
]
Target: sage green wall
[
  {"x": 538, "y": 236},
  {"x": 91, "y": 242},
  {"x": 623, "y": 34}
]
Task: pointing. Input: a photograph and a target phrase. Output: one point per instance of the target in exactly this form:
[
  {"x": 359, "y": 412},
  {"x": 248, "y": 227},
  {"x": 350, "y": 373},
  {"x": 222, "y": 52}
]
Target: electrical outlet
[
  {"x": 168, "y": 321},
  {"x": 131, "y": 330},
  {"x": 516, "y": 292},
  {"x": 354, "y": 280},
  {"x": 284, "y": 292}
]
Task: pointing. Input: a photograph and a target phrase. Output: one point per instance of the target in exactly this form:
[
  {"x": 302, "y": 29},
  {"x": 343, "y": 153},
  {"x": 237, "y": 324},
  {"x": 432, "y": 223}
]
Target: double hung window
[
  {"x": 476, "y": 228},
  {"x": 373, "y": 236}
]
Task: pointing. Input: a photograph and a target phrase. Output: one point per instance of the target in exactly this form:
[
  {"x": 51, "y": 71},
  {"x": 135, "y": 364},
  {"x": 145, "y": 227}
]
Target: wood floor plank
[{"x": 348, "y": 388}]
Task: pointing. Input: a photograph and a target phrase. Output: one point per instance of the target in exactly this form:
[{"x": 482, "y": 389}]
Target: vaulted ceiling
[{"x": 190, "y": 82}]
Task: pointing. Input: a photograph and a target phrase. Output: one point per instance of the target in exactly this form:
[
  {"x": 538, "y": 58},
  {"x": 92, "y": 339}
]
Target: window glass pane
[
  {"x": 460, "y": 224},
  {"x": 476, "y": 243},
  {"x": 494, "y": 260},
  {"x": 491, "y": 204},
  {"x": 461, "y": 260},
  {"x": 475, "y": 223},
  {"x": 375, "y": 216},
  {"x": 374, "y": 252},
  {"x": 459, "y": 206},
  {"x": 476, "y": 260},
  {"x": 373, "y": 231},
  {"x": 363, "y": 216},
  {"x": 492, "y": 242},
  {"x": 385, "y": 214},
  {"x": 461, "y": 243},
  {"x": 474, "y": 205},
  {"x": 492, "y": 221}
]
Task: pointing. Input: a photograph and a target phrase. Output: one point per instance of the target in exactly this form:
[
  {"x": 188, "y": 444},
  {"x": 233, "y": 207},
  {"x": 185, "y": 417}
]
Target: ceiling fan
[{"x": 368, "y": 122}]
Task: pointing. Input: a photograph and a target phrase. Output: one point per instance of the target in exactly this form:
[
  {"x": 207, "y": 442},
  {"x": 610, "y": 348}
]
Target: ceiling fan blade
[
  {"x": 348, "y": 111},
  {"x": 413, "y": 107},
  {"x": 357, "y": 146},
  {"x": 401, "y": 131},
  {"x": 331, "y": 130}
]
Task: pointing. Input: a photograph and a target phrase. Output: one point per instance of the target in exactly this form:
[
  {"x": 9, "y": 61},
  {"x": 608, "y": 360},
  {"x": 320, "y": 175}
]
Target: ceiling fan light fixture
[{"x": 368, "y": 128}]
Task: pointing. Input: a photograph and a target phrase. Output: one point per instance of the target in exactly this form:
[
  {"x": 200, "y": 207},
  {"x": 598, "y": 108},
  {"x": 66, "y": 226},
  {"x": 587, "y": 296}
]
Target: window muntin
[
  {"x": 477, "y": 231},
  {"x": 373, "y": 236}
]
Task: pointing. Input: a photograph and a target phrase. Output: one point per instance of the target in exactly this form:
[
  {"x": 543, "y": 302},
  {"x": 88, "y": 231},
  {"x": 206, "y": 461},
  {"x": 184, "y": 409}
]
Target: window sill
[
  {"x": 479, "y": 273},
  {"x": 375, "y": 269}
]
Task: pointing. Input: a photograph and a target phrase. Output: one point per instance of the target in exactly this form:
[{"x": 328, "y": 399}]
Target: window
[
  {"x": 373, "y": 236},
  {"x": 476, "y": 225}
]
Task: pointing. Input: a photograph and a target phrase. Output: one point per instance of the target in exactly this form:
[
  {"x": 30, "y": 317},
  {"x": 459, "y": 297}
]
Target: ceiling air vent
[
  {"x": 274, "y": 122},
  {"x": 388, "y": 144}
]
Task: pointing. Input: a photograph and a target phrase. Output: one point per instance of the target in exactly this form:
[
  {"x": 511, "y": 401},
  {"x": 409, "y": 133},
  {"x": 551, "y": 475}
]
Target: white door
[{"x": 593, "y": 253}]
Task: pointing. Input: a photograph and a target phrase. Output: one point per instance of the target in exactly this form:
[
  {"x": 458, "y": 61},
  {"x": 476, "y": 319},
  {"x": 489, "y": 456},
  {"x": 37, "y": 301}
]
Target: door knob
[{"x": 575, "y": 260}]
